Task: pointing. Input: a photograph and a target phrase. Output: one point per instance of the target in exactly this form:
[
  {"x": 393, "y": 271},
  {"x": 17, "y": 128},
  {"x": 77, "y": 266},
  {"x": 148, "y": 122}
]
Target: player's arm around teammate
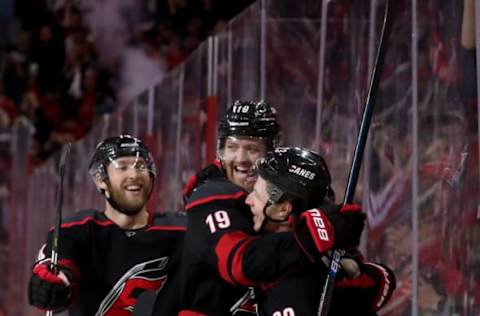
[
  {"x": 222, "y": 254},
  {"x": 293, "y": 184}
]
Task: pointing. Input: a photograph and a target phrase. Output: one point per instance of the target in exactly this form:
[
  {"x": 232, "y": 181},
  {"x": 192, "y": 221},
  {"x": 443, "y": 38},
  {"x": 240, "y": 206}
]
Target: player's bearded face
[
  {"x": 130, "y": 184},
  {"x": 238, "y": 159}
]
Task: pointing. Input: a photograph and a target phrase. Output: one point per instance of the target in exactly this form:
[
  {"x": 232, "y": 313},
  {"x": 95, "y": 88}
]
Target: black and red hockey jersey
[
  {"x": 222, "y": 256},
  {"x": 299, "y": 292},
  {"x": 113, "y": 266}
]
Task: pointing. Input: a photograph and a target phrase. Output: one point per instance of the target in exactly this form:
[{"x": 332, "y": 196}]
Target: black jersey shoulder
[
  {"x": 170, "y": 219},
  {"x": 85, "y": 217},
  {"x": 212, "y": 171},
  {"x": 215, "y": 190}
]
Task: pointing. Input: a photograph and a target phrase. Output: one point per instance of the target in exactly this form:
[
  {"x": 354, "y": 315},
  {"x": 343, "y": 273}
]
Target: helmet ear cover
[
  {"x": 119, "y": 146},
  {"x": 295, "y": 174}
]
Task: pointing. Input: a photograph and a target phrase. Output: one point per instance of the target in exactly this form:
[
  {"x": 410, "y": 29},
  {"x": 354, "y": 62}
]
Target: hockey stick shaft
[
  {"x": 327, "y": 292},
  {"x": 368, "y": 110},
  {"x": 58, "y": 213}
]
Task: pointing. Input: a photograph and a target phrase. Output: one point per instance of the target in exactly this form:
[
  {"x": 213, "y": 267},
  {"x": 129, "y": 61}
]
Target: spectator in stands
[{"x": 7, "y": 107}]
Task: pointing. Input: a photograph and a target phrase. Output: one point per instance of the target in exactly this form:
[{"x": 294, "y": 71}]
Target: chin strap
[{"x": 275, "y": 196}]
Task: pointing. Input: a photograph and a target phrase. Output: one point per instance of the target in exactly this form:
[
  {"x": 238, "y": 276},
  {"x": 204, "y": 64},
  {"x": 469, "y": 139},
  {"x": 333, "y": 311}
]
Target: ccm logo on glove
[
  {"x": 313, "y": 232},
  {"x": 319, "y": 224},
  {"x": 317, "y": 221}
]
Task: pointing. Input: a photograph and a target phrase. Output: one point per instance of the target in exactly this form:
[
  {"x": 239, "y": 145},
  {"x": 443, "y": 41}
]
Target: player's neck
[
  {"x": 125, "y": 221},
  {"x": 273, "y": 227}
]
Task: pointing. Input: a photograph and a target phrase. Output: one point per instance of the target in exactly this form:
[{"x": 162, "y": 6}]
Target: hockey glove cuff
[
  {"x": 385, "y": 281},
  {"x": 373, "y": 287},
  {"x": 314, "y": 233},
  {"x": 48, "y": 290}
]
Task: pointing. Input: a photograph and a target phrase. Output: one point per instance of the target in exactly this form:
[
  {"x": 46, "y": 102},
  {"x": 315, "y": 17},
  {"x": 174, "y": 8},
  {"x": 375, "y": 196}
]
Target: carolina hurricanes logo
[{"x": 145, "y": 276}]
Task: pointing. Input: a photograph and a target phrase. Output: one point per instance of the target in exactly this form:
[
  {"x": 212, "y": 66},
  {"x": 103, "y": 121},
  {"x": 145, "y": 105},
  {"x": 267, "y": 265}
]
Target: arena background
[{"x": 312, "y": 61}]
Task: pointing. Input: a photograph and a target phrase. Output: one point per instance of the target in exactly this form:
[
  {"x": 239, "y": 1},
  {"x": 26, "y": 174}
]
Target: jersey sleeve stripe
[
  {"x": 223, "y": 248},
  {"x": 237, "y": 264},
  {"x": 230, "y": 259},
  {"x": 215, "y": 197}
]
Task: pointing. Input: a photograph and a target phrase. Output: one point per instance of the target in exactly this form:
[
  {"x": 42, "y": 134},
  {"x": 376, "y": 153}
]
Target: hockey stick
[
  {"x": 58, "y": 214},
  {"x": 327, "y": 292}
]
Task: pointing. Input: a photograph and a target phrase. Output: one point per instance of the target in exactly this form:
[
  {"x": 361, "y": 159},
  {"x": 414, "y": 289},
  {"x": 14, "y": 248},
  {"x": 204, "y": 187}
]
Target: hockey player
[
  {"x": 222, "y": 257},
  {"x": 107, "y": 259},
  {"x": 292, "y": 182}
]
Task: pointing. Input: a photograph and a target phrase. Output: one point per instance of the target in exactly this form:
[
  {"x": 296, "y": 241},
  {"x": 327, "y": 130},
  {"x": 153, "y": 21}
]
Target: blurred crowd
[
  {"x": 56, "y": 72},
  {"x": 447, "y": 175},
  {"x": 49, "y": 75},
  {"x": 175, "y": 28}
]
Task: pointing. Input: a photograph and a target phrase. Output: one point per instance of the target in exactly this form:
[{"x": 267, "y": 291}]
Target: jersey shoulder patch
[{"x": 215, "y": 190}]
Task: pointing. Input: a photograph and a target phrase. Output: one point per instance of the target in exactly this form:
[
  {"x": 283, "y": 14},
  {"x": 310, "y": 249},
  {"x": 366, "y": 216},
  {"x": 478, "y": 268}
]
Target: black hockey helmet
[
  {"x": 247, "y": 118},
  {"x": 296, "y": 173},
  {"x": 119, "y": 146}
]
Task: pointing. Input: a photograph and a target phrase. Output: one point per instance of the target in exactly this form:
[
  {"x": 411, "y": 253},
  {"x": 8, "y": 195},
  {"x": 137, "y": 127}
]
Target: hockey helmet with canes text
[{"x": 295, "y": 173}]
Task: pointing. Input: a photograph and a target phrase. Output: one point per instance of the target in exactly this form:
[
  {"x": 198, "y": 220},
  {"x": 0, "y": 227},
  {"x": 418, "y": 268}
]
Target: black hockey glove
[
  {"x": 385, "y": 283},
  {"x": 317, "y": 231},
  {"x": 348, "y": 222},
  {"x": 49, "y": 291},
  {"x": 370, "y": 291}
]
